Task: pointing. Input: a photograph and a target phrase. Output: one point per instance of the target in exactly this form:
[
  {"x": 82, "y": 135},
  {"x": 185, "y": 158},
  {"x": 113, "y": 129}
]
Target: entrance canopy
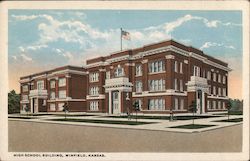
[{"x": 120, "y": 84}]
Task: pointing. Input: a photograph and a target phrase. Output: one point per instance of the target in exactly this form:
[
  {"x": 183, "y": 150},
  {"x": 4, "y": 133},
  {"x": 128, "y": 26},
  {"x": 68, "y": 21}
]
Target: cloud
[
  {"x": 80, "y": 14},
  {"x": 67, "y": 55},
  {"x": 14, "y": 57},
  {"x": 26, "y": 58},
  {"x": 21, "y": 48},
  {"x": 169, "y": 27},
  {"x": 36, "y": 47},
  {"x": 58, "y": 50},
  {"x": 32, "y": 47},
  {"x": 212, "y": 44},
  {"x": 31, "y": 17}
]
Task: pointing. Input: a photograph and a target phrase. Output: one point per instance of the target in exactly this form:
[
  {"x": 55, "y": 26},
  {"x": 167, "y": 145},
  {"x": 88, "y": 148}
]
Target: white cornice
[
  {"x": 66, "y": 71},
  {"x": 24, "y": 80},
  {"x": 100, "y": 96},
  {"x": 96, "y": 64},
  {"x": 217, "y": 97},
  {"x": 169, "y": 56},
  {"x": 160, "y": 50},
  {"x": 163, "y": 93},
  {"x": 117, "y": 59}
]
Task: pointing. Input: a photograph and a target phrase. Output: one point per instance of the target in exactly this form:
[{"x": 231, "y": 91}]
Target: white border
[{"x": 149, "y": 5}]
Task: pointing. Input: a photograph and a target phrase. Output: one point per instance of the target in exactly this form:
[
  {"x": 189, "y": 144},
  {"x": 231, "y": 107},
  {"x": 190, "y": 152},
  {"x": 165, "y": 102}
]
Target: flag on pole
[{"x": 125, "y": 35}]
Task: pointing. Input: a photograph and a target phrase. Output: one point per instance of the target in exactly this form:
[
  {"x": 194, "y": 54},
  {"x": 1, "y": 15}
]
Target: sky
[{"x": 44, "y": 39}]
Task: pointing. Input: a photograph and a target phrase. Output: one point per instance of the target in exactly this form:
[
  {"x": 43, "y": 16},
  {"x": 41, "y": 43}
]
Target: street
[{"x": 51, "y": 137}]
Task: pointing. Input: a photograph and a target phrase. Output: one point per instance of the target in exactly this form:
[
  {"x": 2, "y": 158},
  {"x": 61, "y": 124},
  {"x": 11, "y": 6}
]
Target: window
[
  {"x": 52, "y": 84},
  {"x": 52, "y": 95},
  {"x": 24, "y": 97},
  {"x": 40, "y": 85},
  {"x": 219, "y": 91},
  {"x": 108, "y": 75},
  {"x": 60, "y": 106},
  {"x": 62, "y": 82},
  {"x": 175, "y": 85},
  {"x": 214, "y": 77},
  {"x": 219, "y": 78},
  {"x": 181, "y": 85},
  {"x": 219, "y": 105},
  {"x": 224, "y": 79},
  {"x": 94, "y": 77},
  {"x": 52, "y": 107},
  {"x": 25, "y": 88},
  {"x": 208, "y": 104},
  {"x": 214, "y": 104},
  {"x": 223, "y": 105},
  {"x": 94, "y": 105},
  {"x": 138, "y": 86},
  {"x": 224, "y": 92},
  {"x": 176, "y": 66},
  {"x": 62, "y": 94},
  {"x": 196, "y": 71},
  {"x": 209, "y": 90},
  {"x": 156, "y": 104},
  {"x": 208, "y": 75},
  {"x": 138, "y": 70},
  {"x": 156, "y": 85},
  {"x": 181, "y": 71},
  {"x": 182, "y": 104},
  {"x": 176, "y": 106},
  {"x": 24, "y": 107},
  {"x": 94, "y": 91},
  {"x": 214, "y": 90},
  {"x": 157, "y": 66},
  {"x": 140, "y": 103},
  {"x": 204, "y": 74},
  {"x": 119, "y": 72}
]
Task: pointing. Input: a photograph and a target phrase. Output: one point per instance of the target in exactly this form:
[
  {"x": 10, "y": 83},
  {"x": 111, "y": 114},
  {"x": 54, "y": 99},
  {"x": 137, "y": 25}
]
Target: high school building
[{"x": 161, "y": 77}]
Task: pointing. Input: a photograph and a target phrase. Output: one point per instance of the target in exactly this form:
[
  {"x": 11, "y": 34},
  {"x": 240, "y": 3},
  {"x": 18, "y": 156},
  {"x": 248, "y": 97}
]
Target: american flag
[{"x": 126, "y": 35}]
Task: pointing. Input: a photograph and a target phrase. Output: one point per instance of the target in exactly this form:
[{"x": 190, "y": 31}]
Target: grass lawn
[
  {"x": 192, "y": 126},
  {"x": 165, "y": 117},
  {"x": 231, "y": 120},
  {"x": 21, "y": 117},
  {"x": 103, "y": 121},
  {"x": 71, "y": 115},
  {"x": 36, "y": 114},
  {"x": 231, "y": 113}
]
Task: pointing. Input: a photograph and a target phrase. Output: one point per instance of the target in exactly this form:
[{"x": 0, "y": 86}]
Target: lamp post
[
  {"x": 171, "y": 114},
  {"x": 128, "y": 99}
]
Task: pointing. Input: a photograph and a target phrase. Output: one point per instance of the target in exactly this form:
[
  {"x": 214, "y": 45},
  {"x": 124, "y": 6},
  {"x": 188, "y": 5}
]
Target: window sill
[
  {"x": 162, "y": 72},
  {"x": 93, "y": 81},
  {"x": 157, "y": 91}
]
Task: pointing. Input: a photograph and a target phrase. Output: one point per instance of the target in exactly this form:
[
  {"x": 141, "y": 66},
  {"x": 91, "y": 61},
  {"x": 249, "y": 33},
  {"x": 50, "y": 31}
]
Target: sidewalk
[{"x": 156, "y": 125}]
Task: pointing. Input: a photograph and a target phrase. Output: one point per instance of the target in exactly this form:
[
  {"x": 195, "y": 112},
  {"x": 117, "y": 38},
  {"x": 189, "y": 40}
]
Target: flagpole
[{"x": 121, "y": 39}]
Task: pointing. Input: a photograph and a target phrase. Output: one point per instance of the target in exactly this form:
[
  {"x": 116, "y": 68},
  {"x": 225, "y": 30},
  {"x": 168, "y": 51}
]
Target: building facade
[
  {"x": 162, "y": 77},
  {"x": 48, "y": 91}
]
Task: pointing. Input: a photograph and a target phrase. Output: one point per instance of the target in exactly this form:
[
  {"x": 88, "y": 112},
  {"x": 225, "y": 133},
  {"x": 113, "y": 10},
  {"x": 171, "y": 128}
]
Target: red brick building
[
  {"x": 49, "y": 90},
  {"x": 162, "y": 77}
]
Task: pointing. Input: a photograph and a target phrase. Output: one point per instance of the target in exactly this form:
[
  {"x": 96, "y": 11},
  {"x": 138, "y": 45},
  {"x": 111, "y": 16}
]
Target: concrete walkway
[{"x": 158, "y": 124}]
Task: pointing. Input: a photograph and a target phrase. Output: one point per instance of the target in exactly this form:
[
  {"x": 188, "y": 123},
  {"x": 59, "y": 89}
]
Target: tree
[
  {"x": 13, "y": 102},
  {"x": 65, "y": 109},
  {"x": 193, "y": 108},
  {"x": 136, "y": 108},
  {"x": 229, "y": 106}
]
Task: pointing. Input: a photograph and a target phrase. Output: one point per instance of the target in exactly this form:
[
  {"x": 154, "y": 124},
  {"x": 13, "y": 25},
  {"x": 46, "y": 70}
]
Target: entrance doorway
[{"x": 115, "y": 103}]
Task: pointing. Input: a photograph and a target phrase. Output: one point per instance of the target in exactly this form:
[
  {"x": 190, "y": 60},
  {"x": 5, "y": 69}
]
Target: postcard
[{"x": 124, "y": 80}]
